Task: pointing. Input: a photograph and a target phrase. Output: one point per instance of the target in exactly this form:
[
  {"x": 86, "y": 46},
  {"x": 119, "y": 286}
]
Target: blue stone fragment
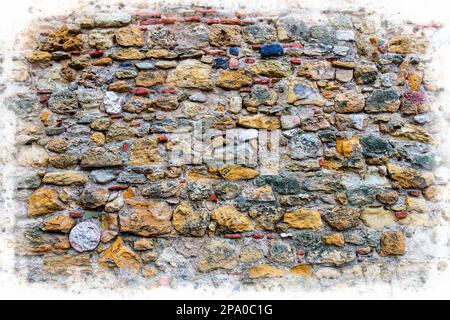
[
  {"x": 271, "y": 50},
  {"x": 127, "y": 64},
  {"x": 221, "y": 63},
  {"x": 234, "y": 51}
]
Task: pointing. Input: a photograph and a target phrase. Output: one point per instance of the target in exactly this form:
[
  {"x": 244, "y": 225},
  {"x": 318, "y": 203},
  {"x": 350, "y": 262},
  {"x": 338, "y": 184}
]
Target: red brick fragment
[
  {"x": 125, "y": 147},
  {"x": 258, "y": 236},
  {"x": 401, "y": 214},
  {"x": 117, "y": 187},
  {"x": 76, "y": 214},
  {"x": 163, "y": 139},
  {"x": 213, "y": 197},
  {"x": 245, "y": 89},
  {"x": 296, "y": 61},
  {"x": 141, "y": 91},
  {"x": 233, "y": 236},
  {"x": 169, "y": 90},
  {"x": 249, "y": 60},
  {"x": 96, "y": 53},
  {"x": 216, "y": 52},
  {"x": 44, "y": 91},
  {"x": 415, "y": 193}
]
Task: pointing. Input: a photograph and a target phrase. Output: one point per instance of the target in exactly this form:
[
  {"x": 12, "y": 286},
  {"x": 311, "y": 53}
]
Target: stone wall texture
[{"x": 108, "y": 97}]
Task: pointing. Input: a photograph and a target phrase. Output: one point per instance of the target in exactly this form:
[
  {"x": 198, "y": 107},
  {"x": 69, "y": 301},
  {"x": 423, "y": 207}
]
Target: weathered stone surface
[
  {"x": 231, "y": 172},
  {"x": 130, "y": 36},
  {"x": 108, "y": 20},
  {"x": 65, "y": 178},
  {"x": 349, "y": 101},
  {"x": 233, "y": 80},
  {"x": 221, "y": 35},
  {"x": 188, "y": 222},
  {"x": 39, "y": 56},
  {"x": 303, "y": 146},
  {"x": 392, "y": 244},
  {"x": 38, "y": 243},
  {"x": 63, "y": 102},
  {"x": 302, "y": 92},
  {"x": 259, "y": 121},
  {"x": 342, "y": 218},
  {"x": 119, "y": 255},
  {"x": 265, "y": 271},
  {"x": 331, "y": 256},
  {"x": 150, "y": 218},
  {"x": 377, "y": 217},
  {"x": 44, "y": 201},
  {"x": 272, "y": 68},
  {"x": 68, "y": 264},
  {"x": 101, "y": 39},
  {"x": 151, "y": 78},
  {"x": 85, "y": 236},
  {"x": 217, "y": 254},
  {"x": 61, "y": 224},
  {"x": 303, "y": 219},
  {"x": 231, "y": 220},
  {"x": 335, "y": 239},
  {"x": 97, "y": 157},
  {"x": 191, "y": 74},
  {"x": 94, "y": 197},
  {"x": 408, "y": 177},
  {"x": 383, "y": 101},
  {"x": 144, "y": 152},
  {"x": 127, "y": 54},
  {"x": 317, "y": 70}
]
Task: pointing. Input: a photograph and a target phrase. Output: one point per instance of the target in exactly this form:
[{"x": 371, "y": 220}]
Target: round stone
[{"x": 85, "y": 236}]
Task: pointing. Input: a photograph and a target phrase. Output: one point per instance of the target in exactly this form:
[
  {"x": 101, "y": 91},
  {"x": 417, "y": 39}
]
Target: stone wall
[{"x": 110, "y": 100}]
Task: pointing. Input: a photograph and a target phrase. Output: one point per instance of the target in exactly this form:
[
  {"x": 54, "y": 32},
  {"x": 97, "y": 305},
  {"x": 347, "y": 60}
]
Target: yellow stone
[
  {"x": 43, "y": 201},
  {"x": 231, "y": 219},
  {"x": 345, "y": 146},
  {"x": 335, "y": 239},
  {"x": 192, "y": 74},
  {"x": 414, "y": 80},
  {"x": 304, "y": 219},
  {"x": 99, "y": 138},
  {"x": 186, "y": 221},
  {"x": 65, "y": 265},
  {"x": 150, "y": 218},
  {"x": 265, "y": 271},
  {"x": 303, "y": 270},
  {"x": 259, "y": 121},
  {"x": 272, "y": 68},
  {"x": 58, "y": 224},
  {"x": 121, "y": 256},
  {"x": 408, "y": 177},
  {"x": 234, "y": 79},
  {"x": 131, "y": 36},
  {"x": 149, "y": 78},
  {"x": 39, "y": 56},
  {"x": 127, "y": 54},
  {"x": 232, "y": 172},
  {"x": 414, "y": 204},
  {"x": 65, "y": 178},
  {"x": 377, "y": 217},
  {"x": 144, "y": 152},
  {"x": 161, "y": 54},
  {"x": 392, "y": 244}
]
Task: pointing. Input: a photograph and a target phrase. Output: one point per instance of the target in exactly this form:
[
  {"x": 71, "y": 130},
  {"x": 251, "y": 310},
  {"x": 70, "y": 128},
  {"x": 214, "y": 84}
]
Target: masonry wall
[{"x": 111, "y": 100}]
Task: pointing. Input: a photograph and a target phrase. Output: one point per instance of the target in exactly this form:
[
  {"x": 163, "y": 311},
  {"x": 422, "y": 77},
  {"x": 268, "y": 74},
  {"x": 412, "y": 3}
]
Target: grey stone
[
  {"x": 63, "y": 102},
  {"x": 112, "y": 20},
  {"x": 304, "y": 146},
  {"x": 98, "y": 157},
  {"x": 102, "y": 176},
  {"x": 85, "y": 236}
]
